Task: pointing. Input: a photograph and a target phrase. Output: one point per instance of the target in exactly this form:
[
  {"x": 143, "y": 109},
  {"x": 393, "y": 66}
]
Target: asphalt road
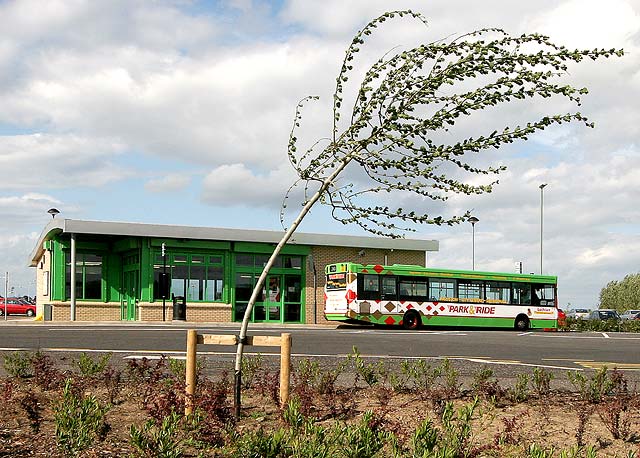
[{"x": 503, "y": 349}]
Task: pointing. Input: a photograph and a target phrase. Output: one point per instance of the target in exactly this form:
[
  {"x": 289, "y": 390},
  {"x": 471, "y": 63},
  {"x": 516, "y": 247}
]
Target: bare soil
[{"x": 501, "y": 426}]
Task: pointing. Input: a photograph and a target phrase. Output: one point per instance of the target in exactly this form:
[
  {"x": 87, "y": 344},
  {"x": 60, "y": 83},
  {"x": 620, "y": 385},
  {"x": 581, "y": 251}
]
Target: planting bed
[{"x": 69, "y": 405}]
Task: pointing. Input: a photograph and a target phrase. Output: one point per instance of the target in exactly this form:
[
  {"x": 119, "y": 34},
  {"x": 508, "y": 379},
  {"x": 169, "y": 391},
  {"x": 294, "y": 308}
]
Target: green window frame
[
  {"x": 89, "y": 276},
  {"x": 198, "y": 276}
]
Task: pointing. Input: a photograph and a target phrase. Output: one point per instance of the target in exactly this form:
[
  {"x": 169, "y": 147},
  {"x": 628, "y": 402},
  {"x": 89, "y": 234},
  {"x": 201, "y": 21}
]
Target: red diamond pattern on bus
[
  {"x": 409, "y": 307},
  {"x": 390, "y": 320},
  {"x": 442, "y": 309},
  {"x": 428, "y": 308},
  {"x": 378, "y": 268},
  {"x": 351, "y": 296}
]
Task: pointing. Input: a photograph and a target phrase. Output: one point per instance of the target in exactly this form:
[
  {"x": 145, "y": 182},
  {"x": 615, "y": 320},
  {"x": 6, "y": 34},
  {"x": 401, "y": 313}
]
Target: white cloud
[
  {"x": 236, "y": 185},
  {"x": 169, "y": 183},
  {"x": 100, "y": 94}
]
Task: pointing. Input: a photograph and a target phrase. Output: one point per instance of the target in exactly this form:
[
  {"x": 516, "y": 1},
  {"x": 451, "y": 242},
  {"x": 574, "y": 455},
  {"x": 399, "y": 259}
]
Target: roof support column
[{"x": 73, "y": 277}]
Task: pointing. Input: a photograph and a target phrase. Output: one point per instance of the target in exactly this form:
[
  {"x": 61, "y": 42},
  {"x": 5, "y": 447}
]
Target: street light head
[
  {"x": 473, "y": 220},
  {"x": 542, "y": 185},
  {"x": 53, "y": 212}
]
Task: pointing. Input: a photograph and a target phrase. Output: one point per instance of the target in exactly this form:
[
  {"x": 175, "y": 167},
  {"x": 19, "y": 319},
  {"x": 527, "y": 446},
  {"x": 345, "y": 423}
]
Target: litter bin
[
  {"x": 48, "y": 312},
  {"x": 179, "y": 308}
]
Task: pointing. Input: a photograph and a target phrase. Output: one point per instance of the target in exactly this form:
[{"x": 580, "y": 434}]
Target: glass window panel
[
  {"x": 244, "y": 286},
  {"x": 293, "y": 262},
  {"x": 498, "y": 292},
  {"x": 442, "y": 290},
  {"x": 245, "y": 260},
  {"x": 522, "y": 294},
  {"x": 93, "y": 281},
  {"x": 239, "y": 310},
  {"x": 197, "y": 259},
  {"x": 214, "y": 283},
  {"x": 262, "y": 259},
  {"x": 371, "y": 283},
  {"x": 292, "y": 288},
  {"x": 413, "y": 289},
  {"x": 470, "y": 290},
  {"x": 544, "y": 295},
  {"x": 389, "y": 286},
  {"x": 179, "y": 258},
  {"x": 179, "y": 277},
  {"x": 196, "y": 282},
  {"x": 215, "y": 259},
  {"x": 278, "y": 261}
]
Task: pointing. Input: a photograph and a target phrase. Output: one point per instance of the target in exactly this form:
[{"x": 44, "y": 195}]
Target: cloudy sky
[{"x": 178, "y": 112}]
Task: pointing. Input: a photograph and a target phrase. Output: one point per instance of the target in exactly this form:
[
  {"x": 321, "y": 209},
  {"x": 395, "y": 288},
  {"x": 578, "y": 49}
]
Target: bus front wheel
[
  {"x": 521, "y": 323},
  {"x": 411, "y": 320}
]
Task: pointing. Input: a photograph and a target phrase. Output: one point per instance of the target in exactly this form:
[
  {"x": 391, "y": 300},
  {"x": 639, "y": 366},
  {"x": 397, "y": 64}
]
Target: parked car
[
  {"x": 629, "y": 314},
  {"x": 17, "y": 306},
  {"x": 604, "y": 314},
  {"x": 562, "y": 318},
  {"x": 578, "y": 313}
]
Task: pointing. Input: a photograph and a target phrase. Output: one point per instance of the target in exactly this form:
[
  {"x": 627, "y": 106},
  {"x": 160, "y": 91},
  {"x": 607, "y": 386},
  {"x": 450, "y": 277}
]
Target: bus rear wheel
[
  {"x": 521, "y": 323},
  {"x": 411, "y": 320}
]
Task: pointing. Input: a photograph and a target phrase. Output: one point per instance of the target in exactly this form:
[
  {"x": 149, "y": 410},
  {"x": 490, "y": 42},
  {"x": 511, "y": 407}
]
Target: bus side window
[
  {"x": 369, "y": 289},
  {"x": 521, "y": 294},
  {"x": 545, "y": 295},
  {"x": 389, "y": 288}
]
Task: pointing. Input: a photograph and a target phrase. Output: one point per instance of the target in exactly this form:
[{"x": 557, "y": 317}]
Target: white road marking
[
  {"x": 606, "y": 336},
  {"x": 525, "y": 333}
]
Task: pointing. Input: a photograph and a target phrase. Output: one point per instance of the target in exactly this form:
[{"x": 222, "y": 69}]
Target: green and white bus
[{"x": 414, "y": 296}]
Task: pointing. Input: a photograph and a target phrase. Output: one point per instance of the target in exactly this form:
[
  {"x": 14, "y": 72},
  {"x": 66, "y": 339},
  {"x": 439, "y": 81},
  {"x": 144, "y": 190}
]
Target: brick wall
[
  {"x": 330, "y": 255},
  {"x": 214, "y": 313}
]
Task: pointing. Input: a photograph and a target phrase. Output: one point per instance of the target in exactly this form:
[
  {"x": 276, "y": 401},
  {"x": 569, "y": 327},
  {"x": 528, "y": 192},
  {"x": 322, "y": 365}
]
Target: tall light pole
[
  {"x": 473, "y": 220},
  {"x": 541, "y": 220}
]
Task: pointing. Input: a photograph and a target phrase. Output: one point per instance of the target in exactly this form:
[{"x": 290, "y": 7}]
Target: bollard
[
  {"x": 285, "y": 367},
  {"x": 192, "y": 342}
]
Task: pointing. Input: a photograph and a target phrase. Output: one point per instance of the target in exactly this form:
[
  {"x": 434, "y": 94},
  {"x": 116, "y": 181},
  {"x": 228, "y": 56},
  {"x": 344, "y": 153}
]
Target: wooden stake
[
  {"x": 192, "y": 345},
  {"x": 285, "y": 367}
]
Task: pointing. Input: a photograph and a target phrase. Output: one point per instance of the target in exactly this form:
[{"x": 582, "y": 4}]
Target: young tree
[{"x": 390, "y": 137}]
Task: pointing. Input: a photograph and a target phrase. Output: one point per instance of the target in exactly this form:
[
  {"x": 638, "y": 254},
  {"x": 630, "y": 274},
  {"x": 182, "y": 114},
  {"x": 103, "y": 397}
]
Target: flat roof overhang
[{"x": 108, "y": 228}]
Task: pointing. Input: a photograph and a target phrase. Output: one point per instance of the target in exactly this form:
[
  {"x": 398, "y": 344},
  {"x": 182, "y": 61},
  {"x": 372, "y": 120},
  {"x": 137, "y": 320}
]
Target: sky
[{"x": 179, "y": 112}]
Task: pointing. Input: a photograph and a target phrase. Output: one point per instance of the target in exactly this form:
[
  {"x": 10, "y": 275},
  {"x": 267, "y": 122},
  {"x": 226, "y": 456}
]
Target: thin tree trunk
[{"x": 256, "y": 290}]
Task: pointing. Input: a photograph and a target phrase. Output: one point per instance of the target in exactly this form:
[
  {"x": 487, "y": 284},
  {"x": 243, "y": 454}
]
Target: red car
[
  {"x": 562, "y": 318},
  {"x": 17, "y": 307}
]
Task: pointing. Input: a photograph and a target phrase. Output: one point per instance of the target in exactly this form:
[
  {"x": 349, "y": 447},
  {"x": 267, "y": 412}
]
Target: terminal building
[{"x": 118, "y": 270}]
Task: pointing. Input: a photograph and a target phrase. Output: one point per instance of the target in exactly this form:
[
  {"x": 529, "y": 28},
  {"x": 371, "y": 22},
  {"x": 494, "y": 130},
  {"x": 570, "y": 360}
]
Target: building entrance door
[
  {"x": 128, "y": 305},
  {"x": 269, "y": 310}
]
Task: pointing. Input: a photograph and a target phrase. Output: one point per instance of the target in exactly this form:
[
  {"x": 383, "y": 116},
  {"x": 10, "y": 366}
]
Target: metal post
[
  {"x": 73, "y": 277},
  {"x": 473, "y": 220},
  {"x": 541, "y": 220},
  {"x": 164, "y": 279}
]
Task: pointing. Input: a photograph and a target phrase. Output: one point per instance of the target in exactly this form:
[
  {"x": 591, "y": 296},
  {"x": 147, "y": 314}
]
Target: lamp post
[
  {"x": 541, "y": 220},
  {"x": 473, "y": 220},
  {"x": 53, "y": 212}
]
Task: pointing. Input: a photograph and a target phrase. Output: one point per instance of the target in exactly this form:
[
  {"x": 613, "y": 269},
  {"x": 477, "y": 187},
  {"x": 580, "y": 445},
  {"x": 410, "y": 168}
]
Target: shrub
[
  {"x": 90, "y": 367},
  {"x": 594, "y": 389},
  {"x": 250, "y": 367},
  {"x": 520, "y": 391},
  {"x": 18, "y": 364},
  {"x": 158, "y": 440},
  {"x": 370, "y": 373},
  {"x": 80, "y": 421},
  {"x": 45, "y": 374},
  {"x": 450, "y": 385},
  {"x": 542, "y": 381}
]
